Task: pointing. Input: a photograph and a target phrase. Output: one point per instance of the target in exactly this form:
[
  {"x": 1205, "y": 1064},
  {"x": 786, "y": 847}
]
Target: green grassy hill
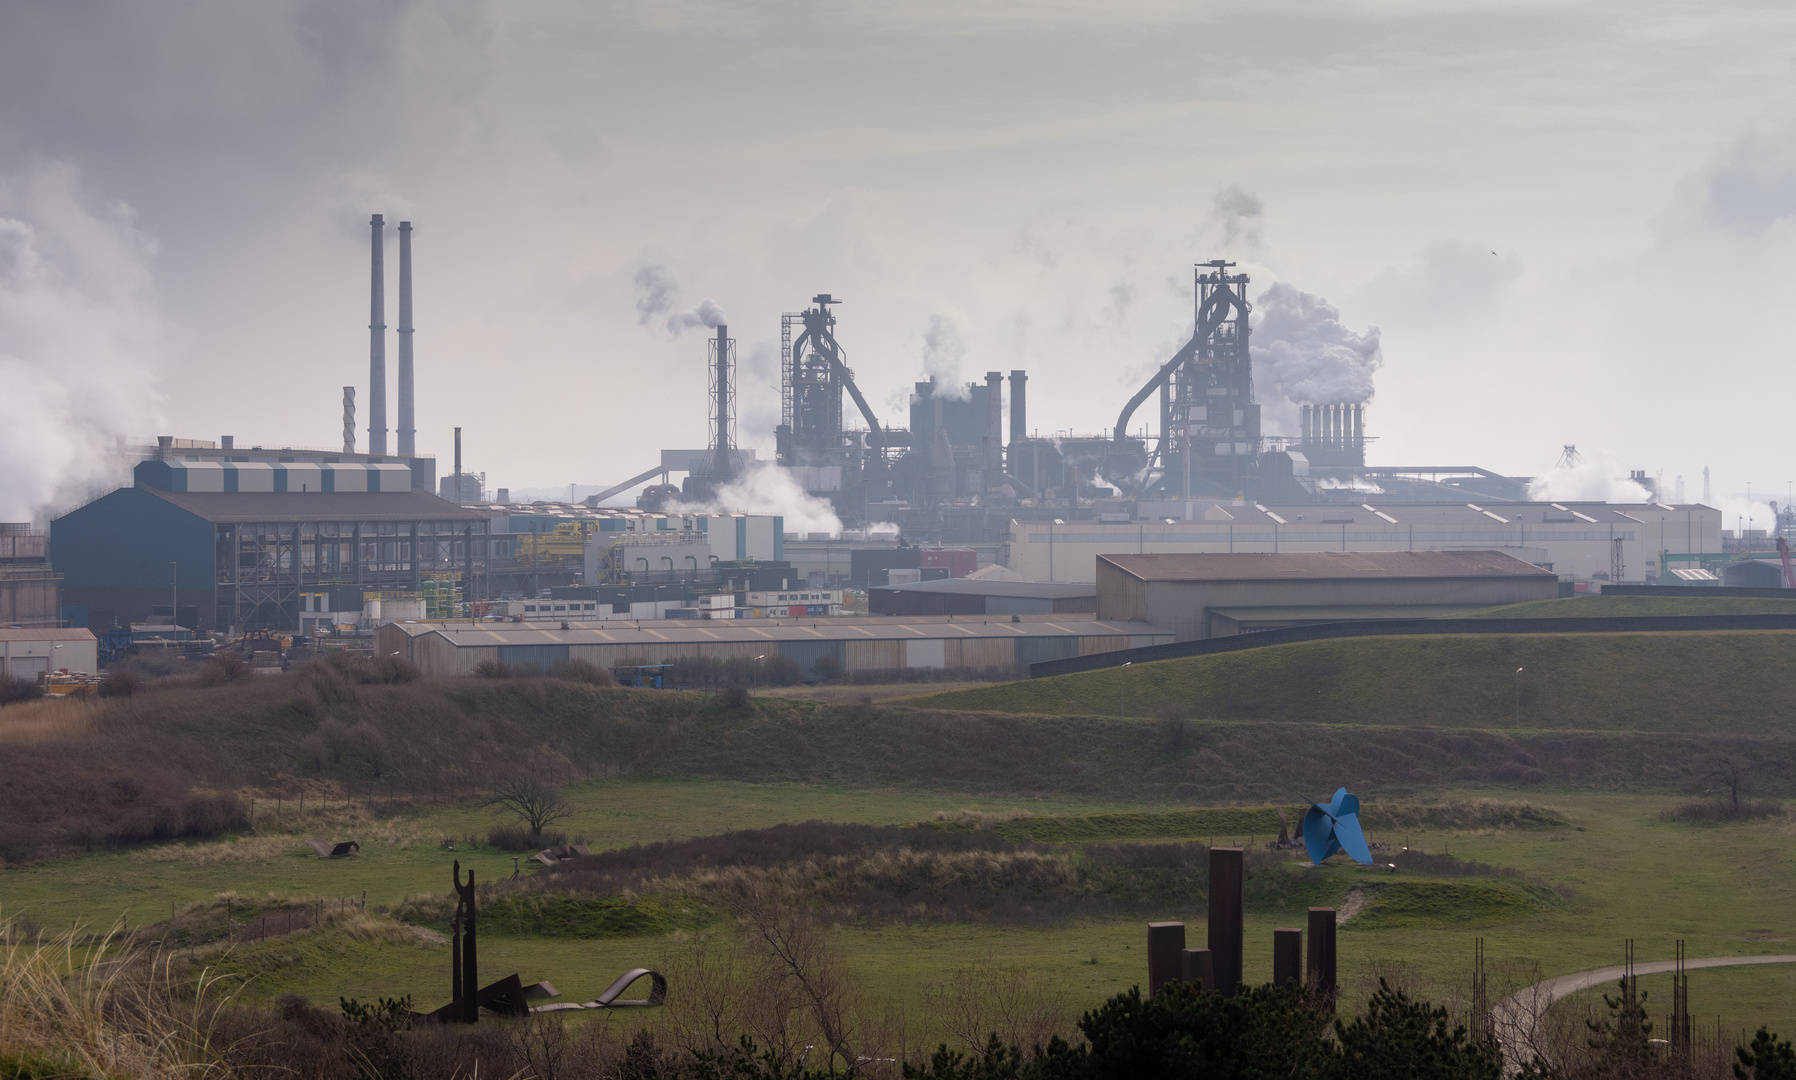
[
  {"x": 1588, "y": 607},
  {"x": 1686, "y": 683}
]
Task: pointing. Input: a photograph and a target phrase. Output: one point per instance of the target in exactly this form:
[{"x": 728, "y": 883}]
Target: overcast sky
[{"x": 1570, "y": 223}]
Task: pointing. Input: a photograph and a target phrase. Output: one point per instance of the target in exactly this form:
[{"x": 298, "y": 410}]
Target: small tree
[
  {"x": 535, "y": 801},
  {"x": 1731, "y": 774},
  {"x": 1768, "y": 1059}
]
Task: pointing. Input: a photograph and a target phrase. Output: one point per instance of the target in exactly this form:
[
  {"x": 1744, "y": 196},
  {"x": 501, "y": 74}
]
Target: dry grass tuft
[{"x": 48, "y": 719}]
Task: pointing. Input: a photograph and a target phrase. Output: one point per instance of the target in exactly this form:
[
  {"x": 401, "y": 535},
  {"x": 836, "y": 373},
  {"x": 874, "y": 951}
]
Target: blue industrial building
[{"x": 232, "y": 546}]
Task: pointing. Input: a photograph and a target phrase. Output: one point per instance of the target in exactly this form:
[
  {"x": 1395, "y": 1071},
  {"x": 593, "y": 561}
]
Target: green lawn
[
  {"x": 1599, "y": 606},
  {"x": 1733, "y": 681},
  {"x": 1724, "y": 889}
]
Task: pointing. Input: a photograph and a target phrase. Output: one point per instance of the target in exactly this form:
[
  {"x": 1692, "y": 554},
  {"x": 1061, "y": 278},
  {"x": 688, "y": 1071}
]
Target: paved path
[{"x": 1516, "y": 1016}]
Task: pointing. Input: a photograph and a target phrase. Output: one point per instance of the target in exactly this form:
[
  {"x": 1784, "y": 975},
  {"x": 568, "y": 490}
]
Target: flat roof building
[
  {"x": 1607, "y": 542},
  {"x": 1212, "y": 595},
  {"x": 858, "y": 644},
  {"x": 982, "y": 596}
]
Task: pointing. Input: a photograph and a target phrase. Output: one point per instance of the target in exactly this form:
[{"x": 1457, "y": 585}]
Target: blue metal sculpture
[{"x": 1335, "y": 827}]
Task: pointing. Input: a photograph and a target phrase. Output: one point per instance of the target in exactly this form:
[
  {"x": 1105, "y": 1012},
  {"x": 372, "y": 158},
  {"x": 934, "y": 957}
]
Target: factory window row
[
  {"x": 533, "y": 609},
  {"x": 1322, "y": 536}
]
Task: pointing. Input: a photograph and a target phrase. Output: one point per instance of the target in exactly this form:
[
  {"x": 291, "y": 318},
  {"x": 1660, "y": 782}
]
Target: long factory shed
[{"x": 882, "y": 644}]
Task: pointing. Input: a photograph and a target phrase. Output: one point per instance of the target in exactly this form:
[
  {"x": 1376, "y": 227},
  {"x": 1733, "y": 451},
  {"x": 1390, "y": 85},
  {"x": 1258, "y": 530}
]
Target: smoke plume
[
  {"x": 765, "y": 488},
  {"x": 656, "y": 292},
  {"x": 706, "y": 315},
  {"x": 1303, "y": 354},
  {"x": 943, "y": 352},
  {"x": 1598, "y": 477},
  {"x": 81, "y": 341},
  {"x": 1238, "y": 215}
]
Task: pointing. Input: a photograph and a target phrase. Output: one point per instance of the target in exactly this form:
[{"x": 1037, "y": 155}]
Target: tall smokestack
[
  {"x": 408, "y": 432},
  {"x": 1019, "y": 412},
  {"x": 377, "y": 340},
  {"x": 349, "y": 419},
  {"x": 457, "y": 495},
  {"x": 723, "y": 451},
  {"x": 994, "y": 425}
]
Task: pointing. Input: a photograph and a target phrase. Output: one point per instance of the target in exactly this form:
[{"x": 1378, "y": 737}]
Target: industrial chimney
[
  {"x": 349, "y": 419},
  {"x": 408, "y": 442},
  {"x": 723, "y": 402},
  {"x": 377, "y": 341},
  {"x": 994, "y": 427},
  {"x": 1019, "y": 410},
  {"x": 457, "y": 496}
]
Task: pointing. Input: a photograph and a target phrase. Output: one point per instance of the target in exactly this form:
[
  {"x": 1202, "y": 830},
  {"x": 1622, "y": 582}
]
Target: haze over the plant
[{"x": 1567, "y": 223}]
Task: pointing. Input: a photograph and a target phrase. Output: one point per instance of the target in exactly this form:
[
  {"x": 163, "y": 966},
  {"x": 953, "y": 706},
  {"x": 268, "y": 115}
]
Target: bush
[
  {"x": 1722, "y": 810},
  {"x": 389, "y": 670},
  {"x": 495, "y": 669},
  {"x": 782, "y": 671},
  {"x": 518, "y": 838},
  {"x": 582, "y": 671},
  {"x": 828, "y": 669},
  {"x": 734, "y": 696},
  {"x": 121, "y": 682},
  {"x": 12, "y": 690}
]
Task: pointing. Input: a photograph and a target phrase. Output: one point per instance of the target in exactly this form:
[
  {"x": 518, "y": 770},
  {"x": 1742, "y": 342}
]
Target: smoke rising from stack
[
  {"x": 82, "y": 341},
  {"x": 943, "y": 354},
  {"x": 1598, "y": 477},
  {"x": 1304, "y": 355},
  {"x": 765, "y": 488},
  {"x": 706, "y": 316},
  {"x": 658, "y": 297},
  {"x": 1239, "y": 216}
]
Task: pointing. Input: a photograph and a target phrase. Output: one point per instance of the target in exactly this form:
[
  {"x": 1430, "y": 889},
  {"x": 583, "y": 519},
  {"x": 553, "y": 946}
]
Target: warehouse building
[
  {"x": 857, "y": 644},
  {"x": 1215, "y": 595},
  {"x": 29, "y": 587},
  {"x": 1604, "y": 542},
  {"x": 982, "y": 596},
  {"x": 234, "y": 559},
  {"x": 31, "y": 652}
]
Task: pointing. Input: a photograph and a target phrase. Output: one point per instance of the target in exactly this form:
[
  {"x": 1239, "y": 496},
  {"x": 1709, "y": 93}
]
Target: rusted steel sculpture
[
  {"x": 1165, "y": 940},
  {"x": 1227, "y": 929},
  {"x": 470, "y": 958},
  {"x": 1287, "y": 956}
]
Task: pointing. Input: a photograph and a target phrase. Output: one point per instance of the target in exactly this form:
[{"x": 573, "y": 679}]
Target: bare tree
[
  {"x": 537, "y": 803},
  {"x": 1731, "y": 773},
  {"x": 1022, "y": 1008}
]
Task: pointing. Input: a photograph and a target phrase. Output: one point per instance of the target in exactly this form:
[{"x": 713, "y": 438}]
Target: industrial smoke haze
[
  {"x": 1597, "y": 477},
  {"x": 658, "y": 295},
  {"x": 1304, "y": 355},
  {"x": 765, "y": 488},
  {"x": 943, "y": 353},
  {"x": 81, "y": 341},
  {"x": 1238, "y": 216}
]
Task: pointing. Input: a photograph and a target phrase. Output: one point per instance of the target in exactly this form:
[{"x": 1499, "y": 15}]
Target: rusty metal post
[
  {"x": 1227, "y": 927},
  {"x": 1287, "y": 956},
  {"x": 1321, "y": 967},
  {"x": 1165, "y": 940},
  {"x": 470, "y": 959},
  {"x": 1196, "y": 969}
]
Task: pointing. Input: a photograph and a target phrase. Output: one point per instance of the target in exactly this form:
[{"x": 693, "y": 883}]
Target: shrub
[
  {"x": 495, "y": 669},
  {"x": 389, "y": 670},
  {"x": 519, "y": 838},
  {"x": 1725, "y": 810},
  {"x": 782, "y": 671},
  {"x": 734, "y": 696},
  {"x": 828, "y": 669},
  {"x": 121, "y": 682},
  {"x": 12, "y": 690},
  {"x": 582, "y": 671}
]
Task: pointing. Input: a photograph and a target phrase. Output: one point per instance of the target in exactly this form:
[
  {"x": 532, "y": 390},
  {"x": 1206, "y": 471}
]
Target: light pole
[
  {"x": 1518, "y": 697},
  {"x": 1122, "y": 690}
]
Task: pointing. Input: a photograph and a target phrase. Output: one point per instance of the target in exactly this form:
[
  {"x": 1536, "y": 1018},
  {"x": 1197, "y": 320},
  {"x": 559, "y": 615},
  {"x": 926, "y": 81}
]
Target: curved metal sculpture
[
  {"x": 610, "y": 999},
  {"x": 1335, "y": 827}
]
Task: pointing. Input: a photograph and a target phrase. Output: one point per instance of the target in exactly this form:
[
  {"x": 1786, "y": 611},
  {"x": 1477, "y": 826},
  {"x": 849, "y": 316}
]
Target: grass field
[
  {"x": 1732, "y": 681},
  {"x": 1600, "y": 606},
  {"x": 1616, "y": 870}
]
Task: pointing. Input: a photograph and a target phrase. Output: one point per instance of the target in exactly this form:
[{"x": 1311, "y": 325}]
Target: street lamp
[{"x": 1518, "y": 696}]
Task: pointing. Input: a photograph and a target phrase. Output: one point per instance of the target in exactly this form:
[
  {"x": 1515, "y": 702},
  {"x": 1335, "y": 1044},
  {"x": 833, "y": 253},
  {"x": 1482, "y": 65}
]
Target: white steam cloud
[
  {"x": 658, "y": 294},
  {"x": 1238, "y": 215},
  {"x": 81, "y": 341},
  {"x": 1598, "y": 477},
  {"x": 706, "y": 315},
  {"x": 765, "y": 488},
  {"x": 943, "y": 353},
  {"x": 1305, "y": 356}
]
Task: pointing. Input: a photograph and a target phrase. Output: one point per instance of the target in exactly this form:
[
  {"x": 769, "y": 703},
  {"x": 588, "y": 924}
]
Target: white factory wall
[{"x": 1577, "y": 550}]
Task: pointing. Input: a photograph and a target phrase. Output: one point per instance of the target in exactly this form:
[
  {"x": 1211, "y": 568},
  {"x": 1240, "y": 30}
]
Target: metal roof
[
  {"x": 732, "y": 630},
  {"x": 1324, "y": 565},
  {"x": 1035, "y": 590},
  {"x": 8, "y": 633},
  {"x": 1344, "y": 613},
  {"x": 279, "y": 506}
]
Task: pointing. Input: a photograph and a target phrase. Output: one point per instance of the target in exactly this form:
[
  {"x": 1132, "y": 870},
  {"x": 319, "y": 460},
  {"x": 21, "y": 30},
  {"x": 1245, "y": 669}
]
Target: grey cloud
[
  {"x": 1239, "y": 216},
  {"x": 1451, "y": 282},
  {"x": 656, "y": 291},
  {"x": 1752, "y": 188}
]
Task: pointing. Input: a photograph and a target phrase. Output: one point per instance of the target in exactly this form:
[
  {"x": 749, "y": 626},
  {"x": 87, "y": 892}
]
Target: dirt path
[{"x": 1517, "y": 1017}]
